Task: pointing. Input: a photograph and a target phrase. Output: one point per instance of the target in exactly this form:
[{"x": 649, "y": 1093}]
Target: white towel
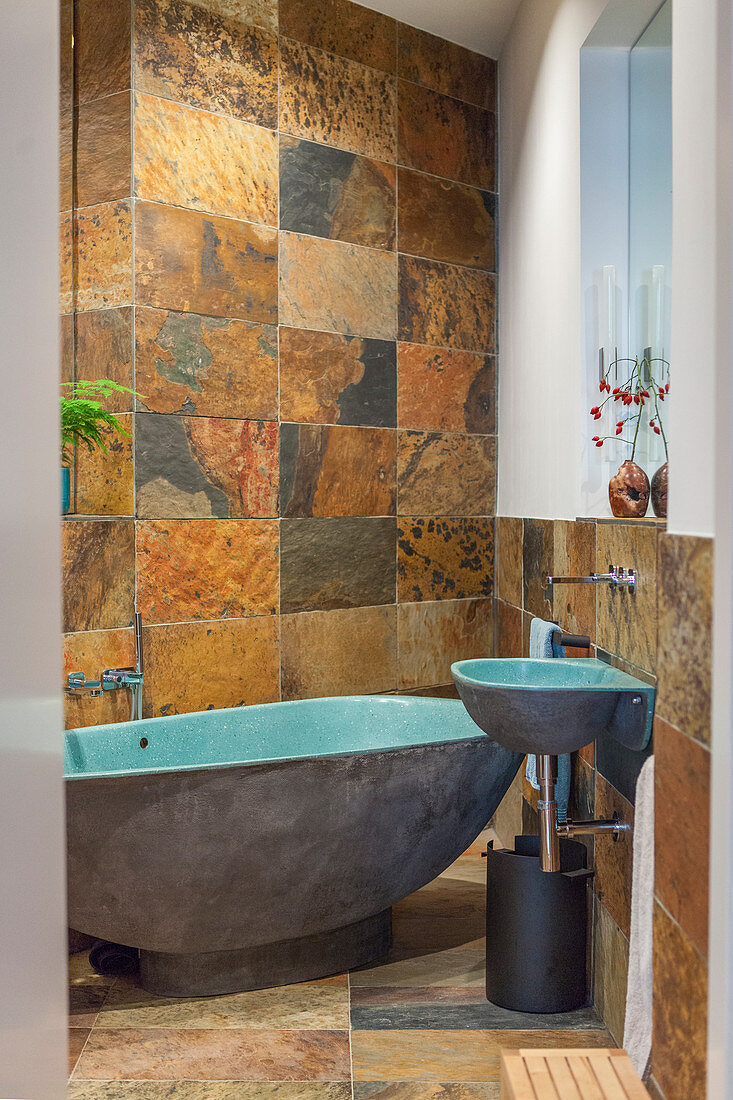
[{"x": 638, "y": 1025}]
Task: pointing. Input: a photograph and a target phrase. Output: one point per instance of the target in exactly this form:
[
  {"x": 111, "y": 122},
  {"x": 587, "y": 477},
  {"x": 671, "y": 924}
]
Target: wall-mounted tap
[
  {"x": 78, "y": 685},
  {"x": 131, "y": 677},
  {"x": 114, "y": 678},
  {"x": 616, "y": 577}
]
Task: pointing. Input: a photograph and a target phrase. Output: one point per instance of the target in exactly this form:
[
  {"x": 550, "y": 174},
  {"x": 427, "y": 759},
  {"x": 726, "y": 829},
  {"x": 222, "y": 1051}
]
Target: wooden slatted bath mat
[{"x": 569, "y": 1075}]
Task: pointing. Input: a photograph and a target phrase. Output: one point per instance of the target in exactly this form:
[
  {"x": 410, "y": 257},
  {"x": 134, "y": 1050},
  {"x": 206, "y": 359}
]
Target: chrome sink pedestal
[
  {"x": 551, "y": 831},
  {"x": 547, "y": 809}
]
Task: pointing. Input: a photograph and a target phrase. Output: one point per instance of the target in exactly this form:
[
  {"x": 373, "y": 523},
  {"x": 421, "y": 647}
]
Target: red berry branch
[{"x": 640, "y": 388}]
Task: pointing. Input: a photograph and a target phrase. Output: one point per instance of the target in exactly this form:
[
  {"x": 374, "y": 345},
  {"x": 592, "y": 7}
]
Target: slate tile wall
[
  {"x": 662, "y": 634},
  {"x": 280, "y": 228}
]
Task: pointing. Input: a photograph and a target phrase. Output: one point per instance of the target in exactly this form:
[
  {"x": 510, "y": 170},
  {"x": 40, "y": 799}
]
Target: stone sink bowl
[{"x": 555, "y": 705}]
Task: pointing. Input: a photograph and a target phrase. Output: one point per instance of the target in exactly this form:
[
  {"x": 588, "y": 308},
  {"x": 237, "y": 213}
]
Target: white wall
[
  {"x": 604, "y": 214},
  {"x": 539, "y": 266},
  {"x": 720, "y": 986},
  {"x": 694, "y": 237},
  {"x": 541, "y": 424},
  {"x": 32, "y": 901}
]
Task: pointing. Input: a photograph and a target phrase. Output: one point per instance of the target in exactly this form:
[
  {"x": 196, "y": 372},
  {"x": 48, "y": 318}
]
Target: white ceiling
[{"x": 480, "y": 25}]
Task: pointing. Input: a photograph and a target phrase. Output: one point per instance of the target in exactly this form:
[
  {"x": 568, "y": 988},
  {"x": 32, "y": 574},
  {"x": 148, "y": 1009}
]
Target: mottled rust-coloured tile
[
  {"x": 91, "y": 652},
  {"x": 451, "y": 1055},
  {"x": 327, "y": 378},
  {"x": 392, "y": 996},
  {"x": 205, "y": 366},
  {"x": 102, "y": 48},
  {"x": 77, "y": 1038},
  {"x": 189, "y": 54},
  {"x": 98, "y": 559},
  {"x": 103, "y": 349},
  {"x": 209, "y": 1090},
  {"x": 610, "y": 970},
  {"x": 463, "y": 1015},
  {"x": 343, "y": 28},
  {"x": 460, "y": 959},
  {"x": 347, "y": 652},
  {"x": 679, "y": 1053},
  {"x": 574, "y": 605},
  {"x": 87, "y": 990},
  {"x": 444, "y": 390},
  {"x": 444, "y": 558},
  {"x": 169, "y": 1054},
  {"x": 627, "y": 623},
  {"x": 612, "y": 882},
  {"x": 66, "y": 141},
  {"x": 682, "y": 830},
  {"x": 437, "y": 691},
  {"x": 581, "y": 807},
  {"x": 508, "y": 630},
  {"x": 449, "y": 475},
  {"x": 445, "y": 67},
  {"x": 450, "y": 306},
  {"x": 256, "y": 13},
  {"x": 103, "y": 150},
  {"x": 441, "y": 135},
  {"x": 339, "y": 287},
  {"x": 338, "y": 562},
  {"x": 685, "y": 632},
  {"x": 434, "y": 635},
  {"x": 203, "y": 161},
  {"x": 66, "y": 263},
  {"x": 204, "y": 264},
  {"x": 331, "y": 193},
  {"x": 316, "y": 1005},
  {"x": 205, "y": 666},
  {"x": 446, "y": 221},
  {"x": 653, "y": 1089},
  {"x": 423, "y": 1090},
  {"x": 66, "y": 334},
  {"x": 509, "y": 552},
  {"x": 206, "y": 569},
  {"x": 202, "y": 467},
  {"x": 526, "y": 624},
  {"x": 537, "y": 563},
  {"x": 104, "y": 482},
  {"x": 103, "y": 256},
  {"x": 332, "y": 471},
  {"x": 66, "y": 56},
  {"x": 336, "y": 101}
]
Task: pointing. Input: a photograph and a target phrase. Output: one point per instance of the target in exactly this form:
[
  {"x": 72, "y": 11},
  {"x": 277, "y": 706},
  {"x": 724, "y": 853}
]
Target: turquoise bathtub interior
[{"x": 265, "y": 732}]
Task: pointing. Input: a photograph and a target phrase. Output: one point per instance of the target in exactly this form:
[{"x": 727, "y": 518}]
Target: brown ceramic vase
[
  {"x": 659, "y": 492},
  {"x": 628, "y": 491}
]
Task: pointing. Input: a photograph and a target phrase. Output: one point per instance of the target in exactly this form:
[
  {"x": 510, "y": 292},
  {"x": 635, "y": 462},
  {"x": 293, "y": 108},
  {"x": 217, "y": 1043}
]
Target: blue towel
[{"x": 542, "y": 645}]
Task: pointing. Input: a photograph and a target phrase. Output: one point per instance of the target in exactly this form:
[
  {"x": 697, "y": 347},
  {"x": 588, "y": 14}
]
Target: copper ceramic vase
[
  {"x": 659, "y": 492},
  {"x": 628, "y": 491}
]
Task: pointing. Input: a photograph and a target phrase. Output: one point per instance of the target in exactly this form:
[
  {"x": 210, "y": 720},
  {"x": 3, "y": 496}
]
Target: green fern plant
[{"x": 84, "y": 417}]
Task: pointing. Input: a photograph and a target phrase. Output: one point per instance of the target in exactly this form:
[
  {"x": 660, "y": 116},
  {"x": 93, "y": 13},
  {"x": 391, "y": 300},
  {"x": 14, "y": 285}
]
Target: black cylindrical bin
[{"x": 536, "y": 928}]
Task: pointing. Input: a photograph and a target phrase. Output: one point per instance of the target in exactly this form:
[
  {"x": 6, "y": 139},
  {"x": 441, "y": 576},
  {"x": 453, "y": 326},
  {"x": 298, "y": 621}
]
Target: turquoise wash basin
[{"x": 554, "y": 705}]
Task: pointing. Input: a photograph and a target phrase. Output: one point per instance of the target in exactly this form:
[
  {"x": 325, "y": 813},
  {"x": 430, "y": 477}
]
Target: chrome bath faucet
[{"x": 113, "y": 678}]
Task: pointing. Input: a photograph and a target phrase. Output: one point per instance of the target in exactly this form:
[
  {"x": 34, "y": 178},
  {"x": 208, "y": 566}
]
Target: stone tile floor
[{"x": 415, "y": 1027}]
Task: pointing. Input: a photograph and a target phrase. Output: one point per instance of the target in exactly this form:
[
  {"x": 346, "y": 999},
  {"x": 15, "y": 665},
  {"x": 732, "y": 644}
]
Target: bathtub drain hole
[{"x": 143, "y": 742}]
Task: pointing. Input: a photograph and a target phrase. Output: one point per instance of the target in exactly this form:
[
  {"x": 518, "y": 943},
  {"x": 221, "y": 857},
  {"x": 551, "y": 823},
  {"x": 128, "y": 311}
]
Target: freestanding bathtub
[{"x": 261, "y": 845}]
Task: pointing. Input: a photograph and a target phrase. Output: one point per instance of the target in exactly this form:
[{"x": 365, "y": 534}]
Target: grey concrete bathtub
[{"x": 261, "y": 845}]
